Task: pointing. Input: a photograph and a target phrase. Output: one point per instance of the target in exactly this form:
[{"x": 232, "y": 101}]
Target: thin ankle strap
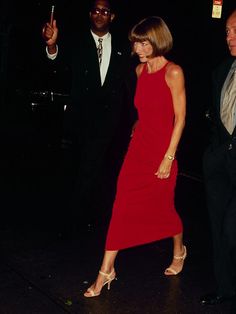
[
  {"x": 105, "y": 274},
  {"x": 183, "y": 256}
]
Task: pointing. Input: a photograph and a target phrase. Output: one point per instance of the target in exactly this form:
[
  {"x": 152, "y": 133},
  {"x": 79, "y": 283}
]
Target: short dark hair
[{"x": 111, "y": 4}]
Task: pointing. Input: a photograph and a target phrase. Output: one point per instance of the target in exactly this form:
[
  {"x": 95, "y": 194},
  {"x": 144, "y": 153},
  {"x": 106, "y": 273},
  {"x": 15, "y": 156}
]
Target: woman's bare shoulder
[{"x": 173, "y": 70}]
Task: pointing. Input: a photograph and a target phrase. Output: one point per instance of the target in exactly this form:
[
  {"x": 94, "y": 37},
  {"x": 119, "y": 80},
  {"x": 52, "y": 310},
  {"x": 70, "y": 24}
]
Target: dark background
[{"x": 199, "y": 45}]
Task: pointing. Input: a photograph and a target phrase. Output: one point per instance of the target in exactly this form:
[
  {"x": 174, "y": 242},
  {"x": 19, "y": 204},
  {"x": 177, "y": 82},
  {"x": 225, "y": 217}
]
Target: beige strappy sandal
[
  {"x": 170, "y": 271},
  {"x": 90, "y": 293}
]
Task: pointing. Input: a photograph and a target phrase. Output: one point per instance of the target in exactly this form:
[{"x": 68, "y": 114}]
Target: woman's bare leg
[
  {"x": 107, "y": 268},
  {"x": 179, "y": 255},
  {"x": 178, "y": 246}
]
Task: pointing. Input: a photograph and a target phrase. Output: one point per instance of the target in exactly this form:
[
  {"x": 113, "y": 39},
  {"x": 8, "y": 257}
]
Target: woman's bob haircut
[{"x": 154, "y": 30}]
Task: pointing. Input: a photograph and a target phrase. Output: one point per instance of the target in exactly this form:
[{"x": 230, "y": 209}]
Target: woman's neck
[{"x": 155, "y": 64}]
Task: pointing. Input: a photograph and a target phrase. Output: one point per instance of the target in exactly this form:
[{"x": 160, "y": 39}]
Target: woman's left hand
[{"x": 164, "y": 169}]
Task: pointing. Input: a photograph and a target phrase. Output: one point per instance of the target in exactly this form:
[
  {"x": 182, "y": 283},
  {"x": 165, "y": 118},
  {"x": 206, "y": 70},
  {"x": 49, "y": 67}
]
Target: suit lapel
[
  {"x": 222, "y": 74},
  {"x": 220, "y": 79},
  {"x": 115, "y": 63}
]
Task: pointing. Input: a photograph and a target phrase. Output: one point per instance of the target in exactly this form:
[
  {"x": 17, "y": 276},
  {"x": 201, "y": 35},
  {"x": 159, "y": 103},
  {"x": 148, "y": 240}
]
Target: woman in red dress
[{"x": 144, "y": 209}]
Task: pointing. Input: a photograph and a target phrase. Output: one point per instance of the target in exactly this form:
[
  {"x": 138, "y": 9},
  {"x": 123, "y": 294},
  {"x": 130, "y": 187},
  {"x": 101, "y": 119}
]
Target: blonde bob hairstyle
[{"x": 154, "y": 30}]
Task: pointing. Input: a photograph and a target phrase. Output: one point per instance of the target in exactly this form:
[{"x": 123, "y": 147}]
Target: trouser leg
[
  {"x": 218, "y": 192},
  {"x": 230, "y": 235},
  {"x": 90, "y": 188}
]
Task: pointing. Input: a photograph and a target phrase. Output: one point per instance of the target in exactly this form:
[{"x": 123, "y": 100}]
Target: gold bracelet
[{"x": 170, "y": 157}]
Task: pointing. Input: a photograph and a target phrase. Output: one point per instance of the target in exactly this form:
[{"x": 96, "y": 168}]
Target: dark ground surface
[{"x": 46, "y": 266}]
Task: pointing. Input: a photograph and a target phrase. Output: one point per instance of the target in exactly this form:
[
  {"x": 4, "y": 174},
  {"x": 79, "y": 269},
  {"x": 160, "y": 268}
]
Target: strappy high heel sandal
[
  {"x": 108, "y": 279},
  {"x": 170, "y": 271}
]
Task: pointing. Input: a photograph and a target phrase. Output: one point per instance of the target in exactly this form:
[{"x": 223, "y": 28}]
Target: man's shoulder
[
  {"x": 121, "y": 38},
  {"x": 225, "y": 64},
  {"x": 75, "y": 37},
  {"x": 121, "y": 46}
]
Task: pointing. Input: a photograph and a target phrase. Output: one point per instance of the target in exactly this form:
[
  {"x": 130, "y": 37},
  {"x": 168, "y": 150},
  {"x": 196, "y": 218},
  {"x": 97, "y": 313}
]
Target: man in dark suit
[
  {"x": 100, "y": 111},
  {"x": 220, "y": 173}
]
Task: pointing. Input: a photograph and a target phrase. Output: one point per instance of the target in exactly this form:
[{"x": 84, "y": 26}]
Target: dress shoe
[{"x": 214, "y": 298}]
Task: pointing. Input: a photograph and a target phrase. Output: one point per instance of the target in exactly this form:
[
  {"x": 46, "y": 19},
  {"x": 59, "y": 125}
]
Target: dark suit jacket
[
  {"x": 97, "y": 111},
  {"x": 219, "y": 76},
  {"x": 222, "y": 148}
]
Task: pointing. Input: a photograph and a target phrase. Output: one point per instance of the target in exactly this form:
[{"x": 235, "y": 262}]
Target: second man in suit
[{"x": 220, "y": 173}]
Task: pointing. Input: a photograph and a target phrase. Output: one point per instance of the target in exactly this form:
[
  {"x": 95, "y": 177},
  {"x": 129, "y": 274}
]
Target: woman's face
[{"x": 143, "y": 49}]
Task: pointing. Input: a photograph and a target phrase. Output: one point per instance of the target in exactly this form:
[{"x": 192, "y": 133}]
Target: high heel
[
  {"x": 108, "y": 279},
  {"x": 170, "y": 271}
]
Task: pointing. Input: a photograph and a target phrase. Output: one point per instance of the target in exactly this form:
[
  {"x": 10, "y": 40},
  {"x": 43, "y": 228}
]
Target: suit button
[{"x": 230, "y": 146}]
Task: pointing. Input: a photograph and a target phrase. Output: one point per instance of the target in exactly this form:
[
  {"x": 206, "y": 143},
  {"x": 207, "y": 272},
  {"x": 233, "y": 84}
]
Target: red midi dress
[{"x": 144, "y": 210}]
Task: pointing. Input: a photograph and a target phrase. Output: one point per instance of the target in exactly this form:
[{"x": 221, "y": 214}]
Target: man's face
[
  {"x": 101, "y": 17},
  {"x": 231, "y": 33}
]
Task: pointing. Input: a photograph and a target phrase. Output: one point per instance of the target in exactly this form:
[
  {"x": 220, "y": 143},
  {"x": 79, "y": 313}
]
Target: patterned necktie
[
  {"x": 228, "y": 105},
  {"x": 99, "y": 50}
]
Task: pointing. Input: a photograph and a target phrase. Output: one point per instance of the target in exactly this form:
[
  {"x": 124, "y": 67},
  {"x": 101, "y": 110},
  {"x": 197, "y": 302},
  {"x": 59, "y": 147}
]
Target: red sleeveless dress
[{"x": 143, "y": 209}]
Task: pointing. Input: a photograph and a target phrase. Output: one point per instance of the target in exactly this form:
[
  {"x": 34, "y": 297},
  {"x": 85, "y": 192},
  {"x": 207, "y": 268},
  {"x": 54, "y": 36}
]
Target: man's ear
[{"x": 112, "y": 17}]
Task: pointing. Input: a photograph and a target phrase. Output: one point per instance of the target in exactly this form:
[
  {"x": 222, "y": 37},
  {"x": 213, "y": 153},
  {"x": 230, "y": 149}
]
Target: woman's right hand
[{"x": 50, "y": 33}]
